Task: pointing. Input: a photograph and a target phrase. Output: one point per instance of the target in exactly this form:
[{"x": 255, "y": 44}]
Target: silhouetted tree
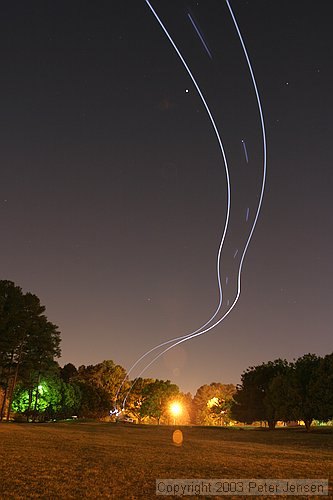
[
  {"x": 28, "y": 341},
  {"x": 95, "y": 401},
  {"x": 322, "y": 388},
  {"x": 106, "y": 375},
  {"x": 68, "y": 372},
  {"x": 252, "y": 400},
  {"x": 305, "y": 388}
]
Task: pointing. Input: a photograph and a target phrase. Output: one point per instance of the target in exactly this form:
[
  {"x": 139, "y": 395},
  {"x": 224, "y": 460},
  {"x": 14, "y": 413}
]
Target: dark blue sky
[{"x": 113, "y": 192}]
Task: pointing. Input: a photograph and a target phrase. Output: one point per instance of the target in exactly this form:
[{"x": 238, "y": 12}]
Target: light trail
[
  {"x": 209, "y": 328},
  {"x": 199, "y": 35},
  {"x": 219, "y": 140},
  {"x": 245, "y": 151},
  {"x": 247, "y": 214}
]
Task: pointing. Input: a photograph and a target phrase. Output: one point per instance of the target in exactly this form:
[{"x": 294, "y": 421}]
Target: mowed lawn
[{"x": 119, "y": 461}]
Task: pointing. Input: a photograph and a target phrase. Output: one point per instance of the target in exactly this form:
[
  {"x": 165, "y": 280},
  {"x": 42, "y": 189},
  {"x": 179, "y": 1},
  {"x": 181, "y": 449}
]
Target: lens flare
[{"x": 177, "y": 437}]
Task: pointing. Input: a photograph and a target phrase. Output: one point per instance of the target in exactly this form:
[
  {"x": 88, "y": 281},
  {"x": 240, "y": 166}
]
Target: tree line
[
  {"x": 284, "y": 391},
  {"x": 33, "y": 386}
]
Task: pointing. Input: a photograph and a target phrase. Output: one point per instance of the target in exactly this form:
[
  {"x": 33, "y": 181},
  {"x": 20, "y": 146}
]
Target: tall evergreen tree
[{"x": 28, "y": 342}]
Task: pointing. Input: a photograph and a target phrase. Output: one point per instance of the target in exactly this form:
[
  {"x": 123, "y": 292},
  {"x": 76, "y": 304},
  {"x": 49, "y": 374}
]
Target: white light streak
[
  {"x": 245, "y": 151},
  {"x": 218, "y": 137},
  {"x": 199, "y": 35},
  {"x": 207, "y": 329}
]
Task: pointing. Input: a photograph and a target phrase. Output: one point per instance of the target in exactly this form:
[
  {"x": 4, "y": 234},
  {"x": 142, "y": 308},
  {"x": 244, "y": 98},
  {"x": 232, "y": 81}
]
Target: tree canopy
[
  {"x": 157, "y": 396},
  {"x": 278, "y": 390},
  {"x": 211, "y": 403}
]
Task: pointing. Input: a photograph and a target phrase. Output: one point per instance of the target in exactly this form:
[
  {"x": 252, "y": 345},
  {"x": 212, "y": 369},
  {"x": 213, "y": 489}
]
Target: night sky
[{"x": 113, "y": 192}]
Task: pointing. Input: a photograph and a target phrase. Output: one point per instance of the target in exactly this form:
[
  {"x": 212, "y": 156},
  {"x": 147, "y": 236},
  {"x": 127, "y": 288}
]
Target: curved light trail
[
  {"x": 206, "y": 328},
  {"x": 218, "y": 261}
]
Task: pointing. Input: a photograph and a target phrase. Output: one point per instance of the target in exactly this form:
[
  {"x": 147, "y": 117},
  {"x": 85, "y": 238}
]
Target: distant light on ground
[{"x": 175, "y": 409}]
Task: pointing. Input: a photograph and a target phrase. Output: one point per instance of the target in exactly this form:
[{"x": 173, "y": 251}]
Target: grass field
[{"x": 93, "y": 460}]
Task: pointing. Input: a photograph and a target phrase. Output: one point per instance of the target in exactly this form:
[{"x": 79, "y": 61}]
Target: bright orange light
[{"x": 175, "y": 409}]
